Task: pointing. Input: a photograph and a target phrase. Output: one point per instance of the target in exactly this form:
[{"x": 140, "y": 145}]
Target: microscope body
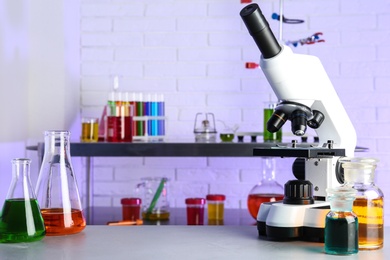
[
  {"x": 303, "y": 80},
  {"x": 306, "y": 98}
]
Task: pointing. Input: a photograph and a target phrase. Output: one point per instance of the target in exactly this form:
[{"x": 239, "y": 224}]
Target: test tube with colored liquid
[
  {"x": 161, "y": 112},
  {"x": 139, "y": 111},
  {"x": 154, "y": 112},
  {"x": 126, "y": 119},
  {"x": 148, "y": 112}
]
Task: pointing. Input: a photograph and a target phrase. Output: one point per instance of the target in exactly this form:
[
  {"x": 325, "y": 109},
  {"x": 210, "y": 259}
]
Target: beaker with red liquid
[{"x": 267, "y": 190}]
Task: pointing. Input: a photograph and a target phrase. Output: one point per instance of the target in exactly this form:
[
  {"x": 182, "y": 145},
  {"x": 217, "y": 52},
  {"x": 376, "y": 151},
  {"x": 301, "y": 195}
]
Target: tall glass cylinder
[{"x": 57, "y": 190}]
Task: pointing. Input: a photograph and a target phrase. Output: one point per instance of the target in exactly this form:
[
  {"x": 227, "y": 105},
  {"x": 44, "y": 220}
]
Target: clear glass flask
[
  {"x": 341, "y": 223},
  {"x": 359, "y": 173},
  {"x": 57, "y": 190},
  {"x": 21, "y": 219},
  {"x": 267, "y": 190}
]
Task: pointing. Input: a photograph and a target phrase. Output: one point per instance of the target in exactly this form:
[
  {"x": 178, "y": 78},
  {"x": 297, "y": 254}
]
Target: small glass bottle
[
  {"x": 57, "y": 190},
  {"x": 341, "y": 223},
  {"x": 131, "y": 208},
  {"x": 215, "y": 208},
  {"x": 21, "y": 219},
  {"x": 267, "y": 190},
  {"x": 359, "y": 173},
  {"x": 195, "y": 211}
]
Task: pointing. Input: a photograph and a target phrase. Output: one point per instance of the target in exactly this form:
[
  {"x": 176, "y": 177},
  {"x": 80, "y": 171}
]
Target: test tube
[{"x": 161, "y": 112}]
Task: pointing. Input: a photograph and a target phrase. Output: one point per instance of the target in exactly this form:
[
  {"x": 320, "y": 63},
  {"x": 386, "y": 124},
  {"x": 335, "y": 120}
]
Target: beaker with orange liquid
[
  {"x": 57, "y": 190},
  {"x": 267, "y": 190}
]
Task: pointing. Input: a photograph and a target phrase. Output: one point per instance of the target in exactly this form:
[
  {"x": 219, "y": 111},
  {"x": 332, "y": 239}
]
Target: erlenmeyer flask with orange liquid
[
  {"x": 267, "y": 190},
  {"x": 57, "y": 190}
]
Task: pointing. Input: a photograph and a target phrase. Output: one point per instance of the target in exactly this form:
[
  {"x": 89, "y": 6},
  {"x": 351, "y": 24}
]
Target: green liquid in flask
[{"x": 21, "y": 221}]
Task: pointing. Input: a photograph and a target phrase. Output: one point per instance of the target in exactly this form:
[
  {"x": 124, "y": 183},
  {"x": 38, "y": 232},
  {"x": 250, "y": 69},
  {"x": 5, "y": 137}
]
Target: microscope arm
[{"x": 301, "y": 84}]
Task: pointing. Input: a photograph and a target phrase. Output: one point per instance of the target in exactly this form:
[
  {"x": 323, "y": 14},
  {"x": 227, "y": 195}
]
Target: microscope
[{"x": 306, "y": 97}]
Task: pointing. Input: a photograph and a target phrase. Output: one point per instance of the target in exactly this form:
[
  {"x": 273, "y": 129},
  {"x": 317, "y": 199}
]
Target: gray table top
[{"x": 173, "y": 242}]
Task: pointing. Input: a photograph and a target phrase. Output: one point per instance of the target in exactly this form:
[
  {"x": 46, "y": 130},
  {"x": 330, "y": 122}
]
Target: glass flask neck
[
  {"x": 57, "y": 143},
  {"x": 269, "y": 165},
  {"x": 21, "y": 184}
]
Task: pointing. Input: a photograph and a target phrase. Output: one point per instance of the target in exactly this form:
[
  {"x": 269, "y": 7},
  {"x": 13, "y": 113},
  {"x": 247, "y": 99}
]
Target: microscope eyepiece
[{"x": 259, "y": 29}]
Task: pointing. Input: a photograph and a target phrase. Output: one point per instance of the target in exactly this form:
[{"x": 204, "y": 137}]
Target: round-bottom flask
[
  {"x": 341, "y": 223},
  {"x": 21, "y": 219},
  {"x": 267, "y": 190}
]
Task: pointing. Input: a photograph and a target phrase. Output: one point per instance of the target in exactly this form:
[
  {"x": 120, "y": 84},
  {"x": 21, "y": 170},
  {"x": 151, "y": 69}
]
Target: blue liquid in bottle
[{"x": 341, "y": 223}]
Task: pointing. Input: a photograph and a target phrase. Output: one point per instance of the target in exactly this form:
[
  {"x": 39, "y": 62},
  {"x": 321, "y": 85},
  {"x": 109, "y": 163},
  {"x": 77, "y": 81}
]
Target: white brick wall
[{"x": 194, "y": 53}]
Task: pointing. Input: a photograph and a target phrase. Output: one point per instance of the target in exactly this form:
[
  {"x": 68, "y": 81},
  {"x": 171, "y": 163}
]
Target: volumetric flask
[
  {"x": 56, "y": 190},
  {"x": 21, "y": 219}
]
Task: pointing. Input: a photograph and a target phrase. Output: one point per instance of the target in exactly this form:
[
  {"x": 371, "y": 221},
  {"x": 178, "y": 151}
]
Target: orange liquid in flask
[
  {"x": 58, "y": 222},
  {"x": 255, "y": 200}
]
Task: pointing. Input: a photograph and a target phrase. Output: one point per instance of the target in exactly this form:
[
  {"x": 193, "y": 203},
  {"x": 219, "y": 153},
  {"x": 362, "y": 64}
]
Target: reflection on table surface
[{"x": 178, "y": 216}]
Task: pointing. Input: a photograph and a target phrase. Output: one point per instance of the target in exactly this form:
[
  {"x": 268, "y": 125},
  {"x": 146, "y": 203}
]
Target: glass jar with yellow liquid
[{"x": 359, "y": 174}]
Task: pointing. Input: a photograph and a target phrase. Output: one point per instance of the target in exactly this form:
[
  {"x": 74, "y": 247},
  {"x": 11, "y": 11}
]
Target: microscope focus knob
[{"x": 298, "y": 192}]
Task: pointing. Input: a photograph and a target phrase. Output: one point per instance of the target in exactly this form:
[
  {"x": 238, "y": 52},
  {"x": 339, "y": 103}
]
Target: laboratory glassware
[
  {"x": 359, "y": 173},
  {"x": 341, "y": 223},
  {"x": 21, "y": 219},
  {"x": 267, "y": 190},
  {"x": 57, "y": 190}
]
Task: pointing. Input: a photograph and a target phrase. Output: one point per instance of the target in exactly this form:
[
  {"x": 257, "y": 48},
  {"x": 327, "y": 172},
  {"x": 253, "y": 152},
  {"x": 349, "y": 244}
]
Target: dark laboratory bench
[{"x": 232, "y": 217}]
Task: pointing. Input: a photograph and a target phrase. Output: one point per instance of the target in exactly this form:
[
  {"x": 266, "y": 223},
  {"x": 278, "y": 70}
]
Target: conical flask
[
  {"x": 56, "y": 189},
  {"x": 21, "y": 219}
]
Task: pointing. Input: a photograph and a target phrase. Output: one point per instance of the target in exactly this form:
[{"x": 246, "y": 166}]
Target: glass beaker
[
  {"x": 359, "y": 173},
  {"x": 21, "y": 219},
  {"x": 57, "y": 190},
  {"x": 155, "y": 204},
  {"x": 267, "y": 190},
  {"x": 341, "y": 223}
]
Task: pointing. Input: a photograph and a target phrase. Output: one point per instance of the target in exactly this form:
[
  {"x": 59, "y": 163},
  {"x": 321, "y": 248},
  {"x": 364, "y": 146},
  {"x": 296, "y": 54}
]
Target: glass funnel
[
  {"x": 21, "y": 219},
  {"x": 56, "y": 189}
]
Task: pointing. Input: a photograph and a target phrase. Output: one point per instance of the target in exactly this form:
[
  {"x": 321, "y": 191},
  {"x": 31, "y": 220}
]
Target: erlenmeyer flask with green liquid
[{"x": 21, "y": 219}]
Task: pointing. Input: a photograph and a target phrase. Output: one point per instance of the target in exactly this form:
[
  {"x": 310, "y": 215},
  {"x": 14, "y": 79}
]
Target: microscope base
[{"x": 278, "y": 221}]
